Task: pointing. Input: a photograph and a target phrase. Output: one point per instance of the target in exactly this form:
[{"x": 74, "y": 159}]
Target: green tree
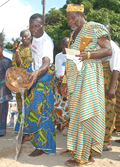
[
  {"x": 109, "y": 4},
  {"x": 9, "y": 46},
  {"x": 2, "y": 37},
  {"x": 104, "y": 14},
  {"x": 54, "y": 16},
  {"x": 74, "y": 1},
  {"x": 13, "y": 40},
  {"x": 57, "y": 27}
]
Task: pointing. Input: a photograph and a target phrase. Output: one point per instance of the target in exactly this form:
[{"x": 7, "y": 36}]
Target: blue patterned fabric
[{"x": 39, "y": 112}]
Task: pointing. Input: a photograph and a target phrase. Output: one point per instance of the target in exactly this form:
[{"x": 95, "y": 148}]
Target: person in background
[
  {"x": 39, "y": 108},
  {"x": 22, "y": 58},
  {"x": 84, "y": 86},
  {"x": 5, "y": 93},
  {"x": 60, "y": 102},
  {"x": 117, "y": 107},
  {"x": 111, "y": 69}
]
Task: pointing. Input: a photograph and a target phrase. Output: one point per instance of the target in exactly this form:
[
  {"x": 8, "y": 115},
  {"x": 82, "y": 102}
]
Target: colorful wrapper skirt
[
  {"x": 60, "y": 105},
  {"x": 39, "y": 112}
]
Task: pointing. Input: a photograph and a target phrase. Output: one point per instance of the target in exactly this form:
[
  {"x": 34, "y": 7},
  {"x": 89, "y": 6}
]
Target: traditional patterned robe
[{"x": 86, "y": 97}]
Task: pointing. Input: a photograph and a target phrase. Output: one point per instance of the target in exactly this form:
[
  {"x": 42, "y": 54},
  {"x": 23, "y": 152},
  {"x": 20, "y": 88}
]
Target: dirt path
[{"x": 7, "y": 154}]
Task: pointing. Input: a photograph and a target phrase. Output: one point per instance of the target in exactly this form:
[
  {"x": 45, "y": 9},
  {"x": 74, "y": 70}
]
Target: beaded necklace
[{"x": 71, "y": 36}]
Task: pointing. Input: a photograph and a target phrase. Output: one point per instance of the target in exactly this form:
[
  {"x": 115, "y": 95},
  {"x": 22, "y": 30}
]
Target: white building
[{"x": 7, "y": 54}]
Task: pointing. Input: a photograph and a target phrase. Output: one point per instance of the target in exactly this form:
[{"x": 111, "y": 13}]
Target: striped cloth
[{"x": 86, "y": 98}]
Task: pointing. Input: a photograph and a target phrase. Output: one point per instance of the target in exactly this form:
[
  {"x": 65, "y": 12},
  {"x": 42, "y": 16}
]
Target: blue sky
[
  {"x": 37, "y": 7},
  {"x": 15, "y": 14}
]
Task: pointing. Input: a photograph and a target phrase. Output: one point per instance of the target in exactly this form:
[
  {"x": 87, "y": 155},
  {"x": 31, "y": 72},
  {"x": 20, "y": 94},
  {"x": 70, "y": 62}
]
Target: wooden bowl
[
  {"x": 12, "y": 88},
  {"x": 16, "y": 79}
]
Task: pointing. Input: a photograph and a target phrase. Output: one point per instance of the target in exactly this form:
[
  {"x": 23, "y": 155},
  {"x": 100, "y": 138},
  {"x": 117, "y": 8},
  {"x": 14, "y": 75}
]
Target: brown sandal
[
  {"x": 95, "y": 154},
  {"x": 90, "y": 161},
  {"x": 75, "y": 162},
  {"x": 66, "y": 153}
]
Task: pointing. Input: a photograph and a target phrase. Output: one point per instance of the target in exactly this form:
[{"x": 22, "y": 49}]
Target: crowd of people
[{"x": 75, "y": 95}]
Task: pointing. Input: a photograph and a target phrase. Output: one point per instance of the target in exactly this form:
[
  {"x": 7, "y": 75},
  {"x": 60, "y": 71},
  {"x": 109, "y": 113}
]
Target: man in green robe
[{"x": 85, "y": 87}]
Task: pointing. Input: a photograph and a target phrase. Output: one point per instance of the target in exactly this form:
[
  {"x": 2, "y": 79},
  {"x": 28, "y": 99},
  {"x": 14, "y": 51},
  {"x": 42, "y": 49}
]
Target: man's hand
[
  {"x": 64, "y": 89},
  {"x": 33, "y": 76},
  {"x": 83, "y": 56},
  {"x": 111, "y": 93}
]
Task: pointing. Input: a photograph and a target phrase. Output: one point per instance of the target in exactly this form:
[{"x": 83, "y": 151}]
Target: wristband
[
  {"x": 89, "y": 55},
  {"x": 64, "y": 79}
]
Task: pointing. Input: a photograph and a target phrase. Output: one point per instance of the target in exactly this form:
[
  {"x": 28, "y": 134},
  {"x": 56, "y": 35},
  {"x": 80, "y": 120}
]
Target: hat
[{"x": 72, "y": 8}]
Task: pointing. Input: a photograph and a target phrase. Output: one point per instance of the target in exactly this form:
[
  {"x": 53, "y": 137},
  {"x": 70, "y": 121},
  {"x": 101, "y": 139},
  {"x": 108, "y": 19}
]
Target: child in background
[{"x": 60, "y": 102}]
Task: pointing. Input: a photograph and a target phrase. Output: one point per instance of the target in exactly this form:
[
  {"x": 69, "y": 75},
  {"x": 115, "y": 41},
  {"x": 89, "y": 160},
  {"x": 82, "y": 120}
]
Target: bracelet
[
  {"x": 64, "y": 79},
  {"x": 89, "y": 55}
]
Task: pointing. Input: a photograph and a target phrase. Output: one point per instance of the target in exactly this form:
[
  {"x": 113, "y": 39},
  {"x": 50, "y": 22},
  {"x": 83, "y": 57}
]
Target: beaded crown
[{"x": 72, "y": 8}]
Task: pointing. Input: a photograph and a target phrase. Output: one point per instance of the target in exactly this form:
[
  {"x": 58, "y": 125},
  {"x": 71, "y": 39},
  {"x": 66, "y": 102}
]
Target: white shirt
[
  {"x": 60, "y": 60},
  {"x": 41, "y": 47},
  {"x": 114, "y": 59}
]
